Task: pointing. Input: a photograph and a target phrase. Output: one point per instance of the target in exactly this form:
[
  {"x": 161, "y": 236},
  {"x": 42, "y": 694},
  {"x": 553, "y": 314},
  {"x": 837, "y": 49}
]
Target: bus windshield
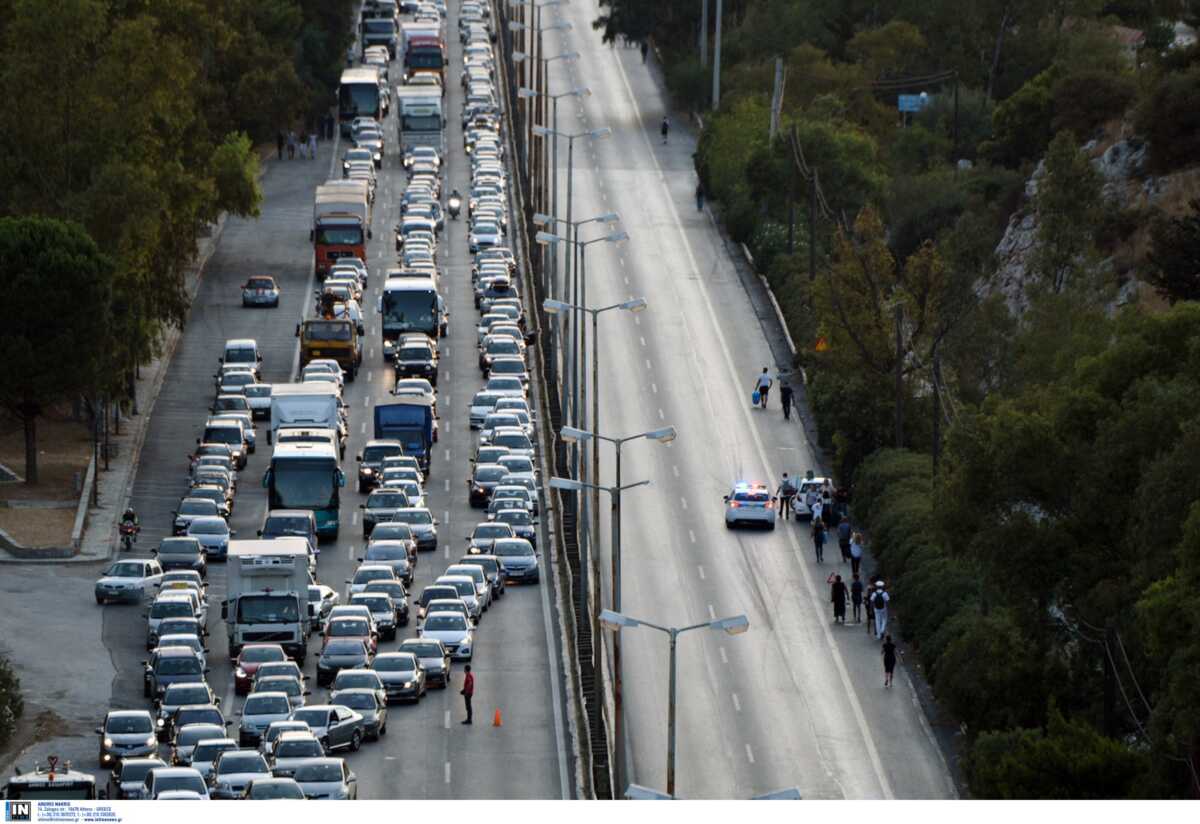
[
  {"x": 339, "y": 236},
  {"x": 358, "y": 100},
  {"x": 420, "y": 122},
  {"x": 427, "y": 58},
  {"x": 410, "y": 311},
  {"x": 304, "y": 484},
  {"x": 327, "y": 330},
  {"x": 268, "y": 609}
]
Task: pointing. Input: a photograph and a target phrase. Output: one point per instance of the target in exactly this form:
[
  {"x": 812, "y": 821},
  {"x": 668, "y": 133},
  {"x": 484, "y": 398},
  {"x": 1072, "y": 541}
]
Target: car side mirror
[
  {"x": 217, "y": 700},
  {"x": 307, "y": 692},
  {"x": 99, "y": 730},
  {"x": 228, "y": 723},
  {"x": 145, "y": 663}
]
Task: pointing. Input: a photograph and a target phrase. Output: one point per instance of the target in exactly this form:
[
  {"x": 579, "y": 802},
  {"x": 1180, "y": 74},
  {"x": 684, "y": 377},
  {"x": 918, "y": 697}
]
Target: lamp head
[
  {"x": 664, "y": 435},
  {"x": 572, "y": 435},
  {"x": 524, "y": 92},
  {"x": 635, "y": 305},
  {"x": 615, "y": 620},
  {"x": 520, "y": 57},
  {"x": 603, "y": 131},
  {"x": 542, "y": 131},
  {"x": 565, "y": 484},
  {"x": 541, "y": 219},
  {"x": 618, "y": 237},
  {"x": 546, "y": 237},
  {"x": 553, "y": 307},
  {"x": 733, "y": 626}
]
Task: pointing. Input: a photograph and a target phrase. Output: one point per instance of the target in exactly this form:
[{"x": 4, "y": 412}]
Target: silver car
[
  {"x": 260, "y": 290},
  {"x": 327, "y": 778},
  {"x": 260, "y": 709},
  {"x": 334, "y": 727},
  {"x": 205, "y": 755},
  {"x": 454, "y": 631},
  {"x": 367, "y": 703},
  {"x": 234, "y": 770},
  {"x": 292, "y": 749},
  {"x": 518, "y": 558}
]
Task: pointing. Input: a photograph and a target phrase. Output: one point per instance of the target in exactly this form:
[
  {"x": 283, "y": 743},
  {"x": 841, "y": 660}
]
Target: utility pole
[
  {"x": 703, "y": 34},
  {"x": 937, "y": 407},
  {"x": 812, "y": 226},
  {"x": 1110, "y": 687},
  {"x": 716, "y": 104},
  {"x": 899, "y": 374},
  {"x": 777, "y": 97}
]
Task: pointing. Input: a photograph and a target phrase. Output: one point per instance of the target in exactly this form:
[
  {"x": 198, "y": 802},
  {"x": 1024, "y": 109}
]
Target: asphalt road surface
[
  {"x": 795, "y": 701},
  {"x": 427, "y": 753}
]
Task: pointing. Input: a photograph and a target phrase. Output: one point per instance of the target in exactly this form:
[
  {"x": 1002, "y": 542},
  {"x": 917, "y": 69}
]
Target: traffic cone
[{"x": 496, "y": 720}]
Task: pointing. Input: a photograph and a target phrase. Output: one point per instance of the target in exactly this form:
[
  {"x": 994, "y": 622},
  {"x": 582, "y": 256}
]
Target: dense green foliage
[
  {"x": 137, "y": 120},
  {"x": 1049, "y": 443},
  {"x": 12, "y": 705}
]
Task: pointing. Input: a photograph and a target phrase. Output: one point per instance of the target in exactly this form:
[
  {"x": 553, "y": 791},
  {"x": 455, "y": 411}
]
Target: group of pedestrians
[
  {"x": 306, "y": 142},
  {"x": 764, "y": 382}
]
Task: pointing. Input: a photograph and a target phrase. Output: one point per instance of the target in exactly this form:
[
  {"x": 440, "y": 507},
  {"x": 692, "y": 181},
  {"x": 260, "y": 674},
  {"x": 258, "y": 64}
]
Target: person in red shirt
[{"x": 468, "y": 690}]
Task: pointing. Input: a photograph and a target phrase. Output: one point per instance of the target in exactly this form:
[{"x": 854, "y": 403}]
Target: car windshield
[
  {"x": 180, "y": 782},
  {"x": 518, "y": 463},
  {"x": 375, "y": 454},
  {"x": 387, "y": 553},
  {"x": 260, "y": 655},
  {"x": 133, "y": 770},
  {"x": 512, "y": 549},
  {"x": 263, "y": 391},
  {"x": 514, "y": 517},
  {"x": 490, "y": 473},
  {"x": 349, "y": 628},
  {"x": 289, "y": 685},
  {"x": 303, "y": 748},
  {"x": 178, "y": 695},
  {"x": 327, "y": 329},
  {"x": 287, "y": 525},
  {"x": 314, "y": 718},
  {"x": 128, "y": 724},
  {"x": 445, "y": 621},
  {"x": 272, "y": 790},
  {"x": 209, "y": 750},
  {"x": 346, "y": 646},
  {"x": 492, "y": 531},
  {"x": 266, "y": 705},
  {"x": 171, "y": 609},
  {"x": 175, "y": 547},
  {"x": 178, "y": 666},
  {"x": 358, "y": 701},
  {"x": 190, "y": 735},
  {"x": 124, "y": 571},
  {"x": 508, "y": 367},
  {"x": 395, "y": 664},
  {"x": 242, "y": 762},
  {"x": 215, "y": 527},
  {"x": 197, "y": 507},
  {"x": 513, "y": 440},
  {"x": 384, "y": 500},
  {"x": 318, "y": 773}
]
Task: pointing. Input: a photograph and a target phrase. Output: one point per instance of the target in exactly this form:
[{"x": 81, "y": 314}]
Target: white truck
[
  {"x": 311, "y": 405},
  {"x": 339, "y": 197},
  {"x": 422, "y": 120},
  {"x": 267, "y": 595}
]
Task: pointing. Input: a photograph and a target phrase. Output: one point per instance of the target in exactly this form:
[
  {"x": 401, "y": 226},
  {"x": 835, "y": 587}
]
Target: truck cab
[{"x": 332, "y": 338}]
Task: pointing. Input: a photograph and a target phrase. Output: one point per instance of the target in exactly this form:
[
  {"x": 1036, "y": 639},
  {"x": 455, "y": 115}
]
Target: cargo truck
[
  {"x": 411, "y": 423},
  {"x": 266, "y": 598}
]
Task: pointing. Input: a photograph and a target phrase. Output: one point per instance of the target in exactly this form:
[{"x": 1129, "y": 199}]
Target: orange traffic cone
[{"x": 496, "y": 720}]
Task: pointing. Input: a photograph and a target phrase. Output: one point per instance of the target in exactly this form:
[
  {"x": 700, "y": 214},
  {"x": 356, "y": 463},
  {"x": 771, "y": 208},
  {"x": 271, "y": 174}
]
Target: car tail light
[
  {"x": 734, "y": 504},
  {"x": 769, "y": 504}
]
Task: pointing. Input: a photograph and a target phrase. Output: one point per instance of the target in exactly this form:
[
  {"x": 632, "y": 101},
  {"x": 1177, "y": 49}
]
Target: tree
[
  {"x": 1175, "y": 255},
  {"x": 1169, "y": 117},
  {"x": 1067, "y": 203},
  {"x": 58, "y": 293}
]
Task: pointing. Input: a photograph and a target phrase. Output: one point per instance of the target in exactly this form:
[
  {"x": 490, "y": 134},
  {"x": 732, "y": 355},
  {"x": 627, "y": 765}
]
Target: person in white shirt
[
  {"x": 763, "y": 386},
  {"x": 880, "y": 602}
]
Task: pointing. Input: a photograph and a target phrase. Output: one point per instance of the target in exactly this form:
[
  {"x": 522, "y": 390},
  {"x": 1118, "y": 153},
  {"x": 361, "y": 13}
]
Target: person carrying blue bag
[{"x": 761, "y": 389}]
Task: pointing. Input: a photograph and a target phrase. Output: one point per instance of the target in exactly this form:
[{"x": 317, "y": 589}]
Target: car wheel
[
  {"x": 145, "y": 689},
  {"x": 383, "y": 730},
  {"x": 355, "y": 741},
  {"x": 363, "y": 489},
  {"x": 100, "y": 600},
  {"x": 728, "y": 524},
  {"x": 771, "y": 526}
]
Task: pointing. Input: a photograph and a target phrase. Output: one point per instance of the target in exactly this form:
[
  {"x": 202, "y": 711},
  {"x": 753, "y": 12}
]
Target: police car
[{"x": 750, "y": 502}]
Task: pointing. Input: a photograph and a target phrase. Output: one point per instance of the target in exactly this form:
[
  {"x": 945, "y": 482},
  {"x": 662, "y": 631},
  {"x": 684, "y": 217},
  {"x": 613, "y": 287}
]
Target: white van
[{"x": 243, "y": 352}]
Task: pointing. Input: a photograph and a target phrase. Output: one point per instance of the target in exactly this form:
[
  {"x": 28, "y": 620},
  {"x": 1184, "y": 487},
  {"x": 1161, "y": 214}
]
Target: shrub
[
  {"x": 1170, "y": 119},
  {"x": 689, "y": 82},
  {"x": 769, "y": 241},
  {"x": 12, "y": 705},
  {"x": 921, "y": 208},
  {"x": 1021, "y": 124},
  {"x": 1085, "y": 100}
]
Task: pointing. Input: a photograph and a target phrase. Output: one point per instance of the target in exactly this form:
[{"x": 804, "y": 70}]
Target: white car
[
  {"x": 130, "y": 579},
  {"x": 750, "y": 502},
  {"x": 506, "y": 386},
  {"x": 258, "y": 397},
  {"x": 454, "y": 631},
  {"x": 809, "y": 485}
]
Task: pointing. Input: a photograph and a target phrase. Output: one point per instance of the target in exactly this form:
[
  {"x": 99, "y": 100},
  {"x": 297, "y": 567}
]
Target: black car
[
  {"x": 126, "y": 781},
  {"x": 371, "y": 462},
  {"x": 340, "y": 654},
  {"x": 398, "y": 594},
  {"x": 181, "y": 695},
  {"x": 483, "y": 480},
  {"x": 182, "y": 553},
  {"x": 417, "y": 360}
]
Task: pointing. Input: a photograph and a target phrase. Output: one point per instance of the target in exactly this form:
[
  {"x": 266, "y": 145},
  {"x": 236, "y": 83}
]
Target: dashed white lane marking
[
  {"x": 363, "y": 428},
  {"x": 675, "y": 469},
  {"x": 448, "y": 768},
  {"x": 661, "y": 416},
  {"x": 446, "y": 720},
  {"x": 637, "y": 320},
  {"x": 647, "y": 364},
  {"x": 366, "y": 401},
  {"x": 447, "y": 551},
  {"x": 712, "y": 613},
  {"x": 370, "y": 374},
  {"x": 447, "y": 484},
  {"x": 447, "y": 454},
  {"x": 654, "y": 386},
  {"x": 371, "y": 352},
  {"x": 749, "y": 756},
  {"x": 683, "y": 502},
  {"x": 353, "y": 518},
  {"x": 700, "y": 569},
  {"x": 642, "y": 339},
  {"x": 737, "y": 705},
  {"x": 724, "y": 657},
  {"x": 626, "y": 281},
  {"x": 445, "y": 517},
  {"x": 692, "y": 538}
]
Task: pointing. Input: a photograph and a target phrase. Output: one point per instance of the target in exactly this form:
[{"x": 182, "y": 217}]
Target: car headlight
[
  {"x": 239, "y": 672},
  {"x": 407, "y": 685},
  {"x": 376, "y": 155},
  {"x": 151, "y": 740},
  {"x": 161, "y": 722},
  {"x": 108, "y": 742}
]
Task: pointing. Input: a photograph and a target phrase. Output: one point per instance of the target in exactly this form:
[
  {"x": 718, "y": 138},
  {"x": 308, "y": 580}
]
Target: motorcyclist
[
  {"x": 455, "y": 203},
  {"x": 130, "y": 518}
]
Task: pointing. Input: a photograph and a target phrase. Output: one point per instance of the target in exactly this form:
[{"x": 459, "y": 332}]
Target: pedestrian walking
[
  {"x": 468, "y": 690},
  {"x": 699, "y": 197},
  {"x": 666, "y": 127},
  {"x": 328, "y": 125},
  {"x": 291, "y": 144},
  {"x": 816, "y": 508},
  {"x": 785, "y": 397},
  {"x": 843, "y": 533},
  {"x": 785, "y": 493},
  {"x": 280, "y": 142},
  {"x": 856, "y": 598},
  {"x": 763, "y": 387},
  {"x": 856, "y": 552},
  {"x": 312, "y": 144},
  {"x": 880, "y": 602},
  {"x": 889, "y": 660},
  {"x": 827, "y": 505},
  {"x": 304, "y": 143},
  {"x": 841, "y": 501},
  {"x": 837, "y": 594},
  {"x": 870, "y": 602},
  {"x": 818, "y": 539},
  {"x": 645, "y": 50}
]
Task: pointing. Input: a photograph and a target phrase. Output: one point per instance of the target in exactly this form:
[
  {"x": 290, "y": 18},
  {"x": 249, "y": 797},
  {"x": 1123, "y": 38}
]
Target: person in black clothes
[
  {"x": 785, "y": 397},
  {"x": 280, "y": 141},
  {"x": 856, "y": 598},
  {"x": 837, "y": 593},
  {"x": 889, "y": 660}
]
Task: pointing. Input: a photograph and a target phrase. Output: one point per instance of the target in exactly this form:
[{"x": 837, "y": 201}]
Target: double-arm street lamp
[
  {"x": 570, "y": 434},
  {"x": 615, "y": 621},
  {"x": 537, "y": 67}
]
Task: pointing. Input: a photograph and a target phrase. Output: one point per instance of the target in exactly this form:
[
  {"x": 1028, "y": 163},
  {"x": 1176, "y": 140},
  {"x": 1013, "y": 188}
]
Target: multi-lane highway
[
  {"x": 427, "y": 753},
  {"x": 796, "y": 701}
]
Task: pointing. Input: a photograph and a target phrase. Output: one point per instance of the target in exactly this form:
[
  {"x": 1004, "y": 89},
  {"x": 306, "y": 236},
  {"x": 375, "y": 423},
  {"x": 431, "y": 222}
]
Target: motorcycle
[
  {"x": 454, "y": 206},
  {"x": 129, "y": 533}
]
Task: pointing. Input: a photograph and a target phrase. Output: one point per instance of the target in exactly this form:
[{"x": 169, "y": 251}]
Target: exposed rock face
[{"x": 1120, "y": 167}]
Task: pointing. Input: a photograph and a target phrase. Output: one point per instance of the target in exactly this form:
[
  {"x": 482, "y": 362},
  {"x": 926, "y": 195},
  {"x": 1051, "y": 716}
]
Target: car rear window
[{"x": 752, "y": 497}]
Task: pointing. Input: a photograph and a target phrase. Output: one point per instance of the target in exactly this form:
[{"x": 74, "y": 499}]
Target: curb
[{"x": 787, "y": 333}]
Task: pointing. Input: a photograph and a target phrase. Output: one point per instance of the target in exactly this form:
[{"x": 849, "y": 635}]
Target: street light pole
[{"x": 615, "y": 620}]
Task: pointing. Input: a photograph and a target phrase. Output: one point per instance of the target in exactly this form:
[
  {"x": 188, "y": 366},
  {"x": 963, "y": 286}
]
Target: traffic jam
[{"x": 317, "y": 665}]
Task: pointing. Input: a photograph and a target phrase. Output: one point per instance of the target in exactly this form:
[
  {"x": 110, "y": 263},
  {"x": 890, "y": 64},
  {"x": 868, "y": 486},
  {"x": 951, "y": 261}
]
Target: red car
[
  {"x": 350, "y": 627},
  {"x": 248, "y": 661}
]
